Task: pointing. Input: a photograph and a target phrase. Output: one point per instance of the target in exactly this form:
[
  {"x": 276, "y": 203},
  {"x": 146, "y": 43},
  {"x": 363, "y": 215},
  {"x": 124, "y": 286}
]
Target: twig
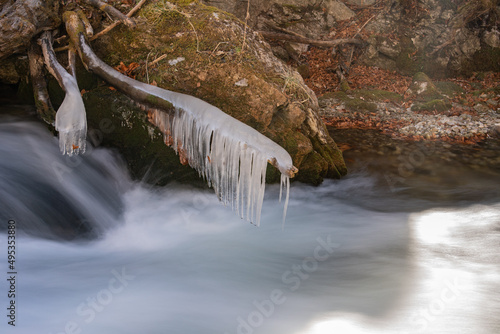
[
  {"x": 160, "y": 58},
  {"x": 113, "y": 12},
  {"x": 173, "y": 8},
  {"x": 111, "y": 26},
  {"x": 147, "y": 72},
  {"x": 246, "y": 26},
  {"x": 286, "y": 31},
  {"x": 291, "y": 38},
  {"x": 364, "y": 25}
]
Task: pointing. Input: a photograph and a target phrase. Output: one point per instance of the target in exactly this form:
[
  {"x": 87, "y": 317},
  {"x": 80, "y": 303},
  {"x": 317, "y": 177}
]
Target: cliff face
[{"x": 438, "y": 37}]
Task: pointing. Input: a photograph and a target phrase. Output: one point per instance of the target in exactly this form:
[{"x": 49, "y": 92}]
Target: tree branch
[
  {"x": 129, "y": 14},
  {"x": 113, "y": 12}
]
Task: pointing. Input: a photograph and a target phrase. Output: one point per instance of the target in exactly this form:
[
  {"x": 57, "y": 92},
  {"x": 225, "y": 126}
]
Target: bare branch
[{"x": 113, "y": 12}]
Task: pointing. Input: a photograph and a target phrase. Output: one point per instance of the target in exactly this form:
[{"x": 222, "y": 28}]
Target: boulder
[
  {"x": 306, "y": 17},
  {"x": 202, "y": 51},
  {"x": 439, "y": 38}
]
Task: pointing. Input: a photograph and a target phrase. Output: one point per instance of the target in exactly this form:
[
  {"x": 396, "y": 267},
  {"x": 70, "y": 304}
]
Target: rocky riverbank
[{"x": 455, "y": 110}]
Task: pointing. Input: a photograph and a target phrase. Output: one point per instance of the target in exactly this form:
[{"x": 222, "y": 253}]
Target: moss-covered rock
[
  {"x": 377, "y": 95},
  {"x": 115, "y": 121},
  {"x": 423, "y": 88},
  {"x": 199, "y": 50},
  {"x": 432, "y": 105},
  {"x": 360, "y": 105},
  {"x": 448, "y": 88}
]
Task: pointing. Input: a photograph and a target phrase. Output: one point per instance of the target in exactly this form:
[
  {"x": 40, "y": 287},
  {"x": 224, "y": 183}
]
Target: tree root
[
  {"x": 108, "y": 28},
  {"x": 42, "y": 99}
]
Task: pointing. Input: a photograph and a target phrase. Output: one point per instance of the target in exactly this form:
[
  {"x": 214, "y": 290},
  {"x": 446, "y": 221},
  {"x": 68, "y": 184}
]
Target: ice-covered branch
[
  {"x": 229, "y": 154},
  {"x": 71, "y": 120}
]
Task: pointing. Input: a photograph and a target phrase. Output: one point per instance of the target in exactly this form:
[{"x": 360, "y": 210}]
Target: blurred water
[{"x": 354, "y": 257}]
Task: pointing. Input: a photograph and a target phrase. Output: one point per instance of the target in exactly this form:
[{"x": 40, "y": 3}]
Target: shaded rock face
[
  {"x": 204, "y": 52},
  {"x": 441, "y": 38}
]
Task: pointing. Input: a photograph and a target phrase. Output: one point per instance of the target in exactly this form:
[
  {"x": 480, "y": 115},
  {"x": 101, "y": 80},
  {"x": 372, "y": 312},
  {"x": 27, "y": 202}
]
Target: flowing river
[{"x": 407, "y": 243}]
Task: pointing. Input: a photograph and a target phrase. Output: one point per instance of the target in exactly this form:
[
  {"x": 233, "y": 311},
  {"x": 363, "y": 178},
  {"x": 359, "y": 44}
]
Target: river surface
[{"x": 407, "y": 243}]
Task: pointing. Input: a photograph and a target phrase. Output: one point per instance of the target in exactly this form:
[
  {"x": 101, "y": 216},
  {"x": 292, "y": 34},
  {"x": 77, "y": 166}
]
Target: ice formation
[
  {"x": 71, "y": 120},
  {"x": 229, "y": 154}
]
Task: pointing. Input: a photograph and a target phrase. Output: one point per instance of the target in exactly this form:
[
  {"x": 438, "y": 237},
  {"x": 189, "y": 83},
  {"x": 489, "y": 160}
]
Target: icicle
[
  {"x": 235, "y": 169},
  {"x": 71, "y": 120},
  {"x": 285, "y": 182}
]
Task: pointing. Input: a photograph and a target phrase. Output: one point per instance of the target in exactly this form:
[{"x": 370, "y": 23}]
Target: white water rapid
[{"x": 354, "y": 257}]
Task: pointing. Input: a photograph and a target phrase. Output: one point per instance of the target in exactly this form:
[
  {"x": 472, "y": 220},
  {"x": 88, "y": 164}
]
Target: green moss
[
  {"x": 360, "y": 105},
  {"x": 405, "y": 64},
  {"x": 157, "y": 102},
  {"x": 448, "y": 88},
  {"x": 433, "y": 105},
  {"x": 114, "y": 121},
  {"x": 377, "y": 95},
  {"x": 333, "y": 157},
  {"x": 313, "y": 170},
  {"x": 344, "y": 86},
  {"x": 430, "y": 91},
  {"x": 338, "y": 95}
]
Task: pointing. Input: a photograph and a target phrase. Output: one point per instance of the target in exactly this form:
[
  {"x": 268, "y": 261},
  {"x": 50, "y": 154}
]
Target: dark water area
[
  {"x": 51, "y": 195},
  {"x": 427, "y": 173}
]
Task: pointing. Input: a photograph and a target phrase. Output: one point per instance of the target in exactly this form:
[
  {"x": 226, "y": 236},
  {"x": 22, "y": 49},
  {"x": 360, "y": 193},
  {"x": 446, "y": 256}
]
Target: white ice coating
[
  {"x": 71, "y": 120},
  {"x": 229, "y": 154}
]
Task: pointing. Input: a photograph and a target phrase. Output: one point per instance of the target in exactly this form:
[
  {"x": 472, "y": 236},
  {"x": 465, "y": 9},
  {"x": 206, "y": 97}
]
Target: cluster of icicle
[
  {"x": 229, "y": 154},
  {"x": 71, "y": 120}
]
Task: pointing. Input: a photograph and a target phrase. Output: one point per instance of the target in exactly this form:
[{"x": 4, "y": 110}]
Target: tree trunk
[{"x": 22, "y": 19}]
